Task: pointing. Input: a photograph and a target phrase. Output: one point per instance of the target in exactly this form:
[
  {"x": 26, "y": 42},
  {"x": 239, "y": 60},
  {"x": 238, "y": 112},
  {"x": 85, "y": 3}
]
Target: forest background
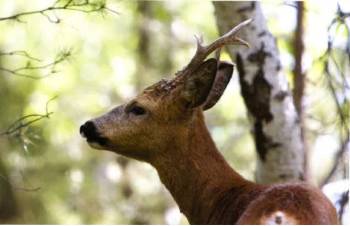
[{"x": 61, "y": 67}]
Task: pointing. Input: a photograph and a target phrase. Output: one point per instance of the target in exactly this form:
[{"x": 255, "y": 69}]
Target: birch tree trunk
[{"x": 274, "y": 120}]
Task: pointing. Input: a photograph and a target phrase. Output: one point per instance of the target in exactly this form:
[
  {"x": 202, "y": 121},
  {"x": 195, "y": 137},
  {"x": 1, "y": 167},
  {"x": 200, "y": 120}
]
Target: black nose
[{"x": 89, "y": 131}]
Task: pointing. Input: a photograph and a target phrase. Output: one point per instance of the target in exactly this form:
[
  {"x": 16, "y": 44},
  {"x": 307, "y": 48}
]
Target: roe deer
[{"x": 164, "y": 126}]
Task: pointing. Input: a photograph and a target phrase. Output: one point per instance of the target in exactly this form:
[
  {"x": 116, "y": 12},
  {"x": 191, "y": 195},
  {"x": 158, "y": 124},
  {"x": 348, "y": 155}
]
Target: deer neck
[{"x": 195, "y": 173}]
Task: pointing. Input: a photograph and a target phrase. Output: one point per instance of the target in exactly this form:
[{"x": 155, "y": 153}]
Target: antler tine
[
  {"x": 227, "y": 39},
  {"x": 199, "y": 40}
]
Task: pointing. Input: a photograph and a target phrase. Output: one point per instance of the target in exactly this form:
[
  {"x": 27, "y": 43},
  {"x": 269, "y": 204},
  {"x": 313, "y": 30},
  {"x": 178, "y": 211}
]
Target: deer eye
[{"x": 137, "y": 110}]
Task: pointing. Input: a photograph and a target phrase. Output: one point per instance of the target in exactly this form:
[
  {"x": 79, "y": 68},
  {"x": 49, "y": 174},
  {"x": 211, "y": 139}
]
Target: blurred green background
[{"x": 48, "y": 174}]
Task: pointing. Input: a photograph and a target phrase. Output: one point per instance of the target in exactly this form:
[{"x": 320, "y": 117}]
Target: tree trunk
[
  {"x": 275, "y": 122},
  {"x": 299, "y": 78},
  {"x": 8, "y": 205}
]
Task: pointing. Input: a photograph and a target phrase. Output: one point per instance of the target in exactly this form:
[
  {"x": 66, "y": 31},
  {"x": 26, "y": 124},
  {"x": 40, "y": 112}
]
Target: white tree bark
[{"x": 265, "y": 90}]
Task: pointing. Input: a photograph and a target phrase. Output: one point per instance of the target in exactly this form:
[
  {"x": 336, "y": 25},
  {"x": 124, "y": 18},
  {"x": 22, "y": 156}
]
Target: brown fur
[{"x": 174, "y": 139}]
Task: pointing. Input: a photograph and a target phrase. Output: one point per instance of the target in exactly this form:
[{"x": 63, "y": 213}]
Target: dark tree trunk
[{"x": 8, "y": 207}]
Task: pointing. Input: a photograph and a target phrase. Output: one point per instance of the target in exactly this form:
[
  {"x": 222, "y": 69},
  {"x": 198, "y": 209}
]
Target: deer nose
[{"x": 88, "y": 130}]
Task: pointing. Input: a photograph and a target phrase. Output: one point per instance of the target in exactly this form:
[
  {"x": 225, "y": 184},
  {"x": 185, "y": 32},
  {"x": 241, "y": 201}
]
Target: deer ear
[
  {"x": 222, "y": 78},
  {"x": 197, "y": 86}
]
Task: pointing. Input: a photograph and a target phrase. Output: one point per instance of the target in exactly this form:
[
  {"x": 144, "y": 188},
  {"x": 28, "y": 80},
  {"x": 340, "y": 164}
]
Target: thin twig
[
  {"x": 327, "y": 59},
  {"x": 20, "y": 53},
  {"x": 17, "y": 126},
  {"x": 338, "y": 156},
  {"x": 24, "y": 71}
]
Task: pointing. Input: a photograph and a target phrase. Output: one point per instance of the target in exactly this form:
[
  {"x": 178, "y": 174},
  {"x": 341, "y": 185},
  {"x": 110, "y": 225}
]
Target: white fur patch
[
  {"x": 278, "y": 217},
  {"x": 96, "y": 145}
]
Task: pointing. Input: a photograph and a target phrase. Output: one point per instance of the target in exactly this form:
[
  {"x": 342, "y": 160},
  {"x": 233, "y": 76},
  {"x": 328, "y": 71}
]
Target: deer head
[{"x": 141, "y": 127}]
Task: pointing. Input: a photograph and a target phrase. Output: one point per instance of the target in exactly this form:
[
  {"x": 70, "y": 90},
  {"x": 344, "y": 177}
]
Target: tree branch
[
  {"x": 344, "y": 199},
  {"x": 20, "y": 53},
  {"x": 341, "y": 106},
  {"x": 71, "y": 5},
  {"x": 16, "y": 128},
  {"x": 24, "y": 71}
]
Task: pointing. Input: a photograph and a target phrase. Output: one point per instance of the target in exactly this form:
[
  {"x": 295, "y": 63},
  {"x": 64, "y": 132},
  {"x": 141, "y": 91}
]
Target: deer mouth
[
  {"x": 96, "y": 145},
  {"x": 92, "y": 136}
]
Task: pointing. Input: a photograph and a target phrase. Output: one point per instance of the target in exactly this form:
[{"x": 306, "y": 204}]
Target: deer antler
[{"x": 203, "y": 51}]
